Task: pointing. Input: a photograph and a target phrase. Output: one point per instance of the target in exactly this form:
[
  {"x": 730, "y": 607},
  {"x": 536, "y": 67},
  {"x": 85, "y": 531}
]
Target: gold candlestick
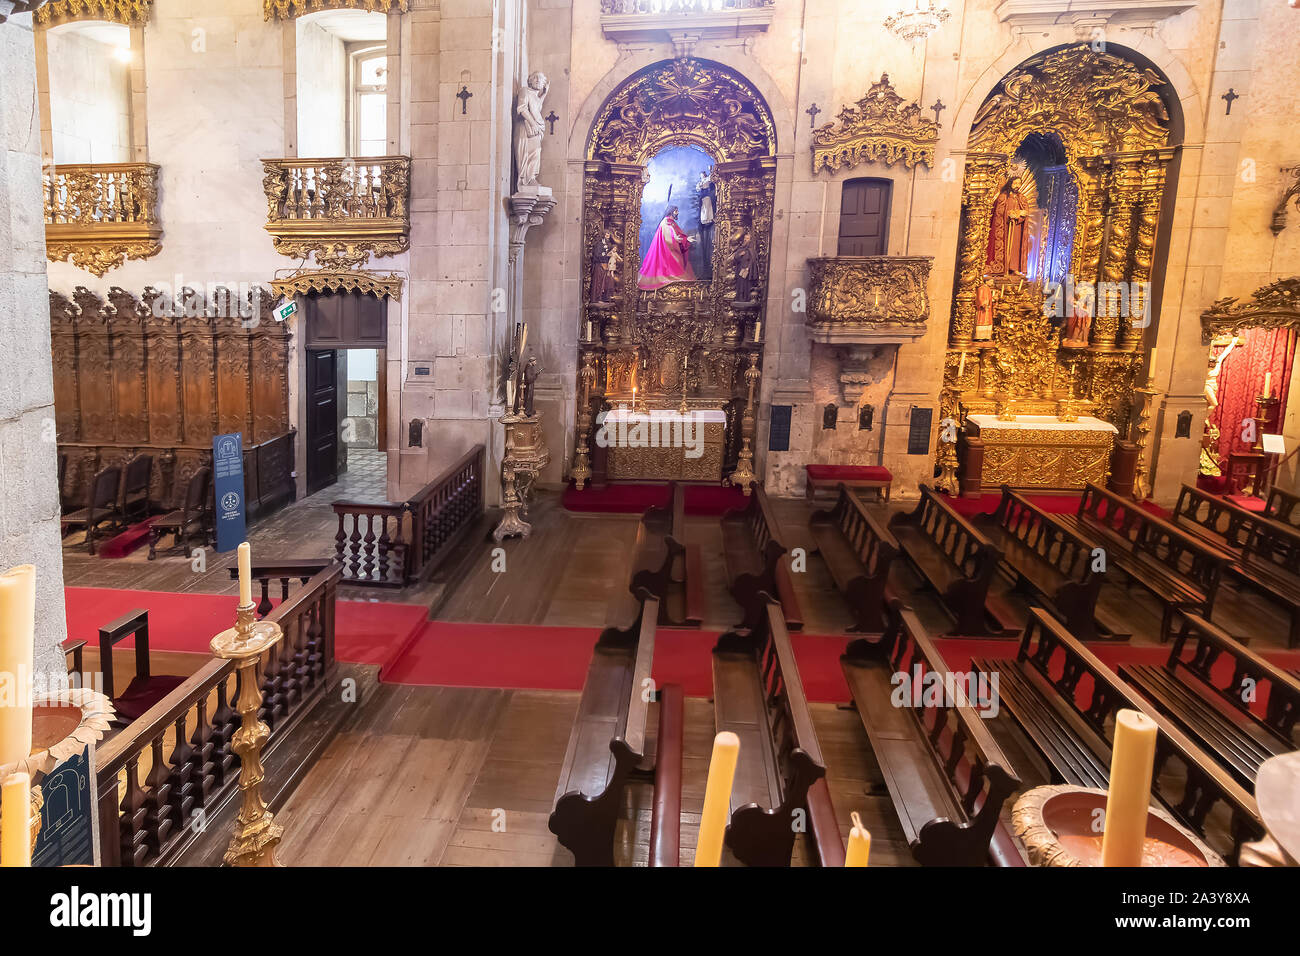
[
  {"x": 1145, "y": 399},
  {"x": 256, "y": 832},
  {"x": 743, "y": 476},
  {"x": 581, "y": 472}
]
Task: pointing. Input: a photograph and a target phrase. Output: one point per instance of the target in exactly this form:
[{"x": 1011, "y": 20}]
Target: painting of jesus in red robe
[{"x": 668, "y": 258}]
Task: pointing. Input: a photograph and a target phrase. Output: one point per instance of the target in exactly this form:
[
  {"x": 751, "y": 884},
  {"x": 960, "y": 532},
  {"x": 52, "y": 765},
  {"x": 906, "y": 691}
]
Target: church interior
[{"x": 551, "y": 433}]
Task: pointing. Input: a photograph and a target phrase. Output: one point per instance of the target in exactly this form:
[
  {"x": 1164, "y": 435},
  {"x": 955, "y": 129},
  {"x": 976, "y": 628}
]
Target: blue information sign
[
  {"x": 68, "y": 821},
  {"x": 228, "y": 489}
]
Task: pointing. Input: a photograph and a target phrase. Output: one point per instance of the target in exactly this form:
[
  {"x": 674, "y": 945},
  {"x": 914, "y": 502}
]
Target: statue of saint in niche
[
  {"x": 529, "y": 126},
  {"x": 744, "y": 256},
  {"x": 605, "y": 258},
  {"x": 1008, "y": 250},
  {"x": 708, "y": 198}
]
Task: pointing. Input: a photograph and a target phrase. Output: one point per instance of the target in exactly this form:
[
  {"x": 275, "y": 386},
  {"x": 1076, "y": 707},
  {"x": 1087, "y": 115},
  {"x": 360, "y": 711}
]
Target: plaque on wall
[
  {"x": 918, "y": 430},
  {"x": 778, "y": 435}
]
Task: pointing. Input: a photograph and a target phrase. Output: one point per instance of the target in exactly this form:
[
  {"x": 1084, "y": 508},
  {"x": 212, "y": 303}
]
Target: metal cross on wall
[
  {"x": 812, "y": 112},
  {"x": 1228, "y": 97},
  {"x": 551, "y": 119},
  {"x": 938, "y": 108},
  {"x": 464, "y": 96}
]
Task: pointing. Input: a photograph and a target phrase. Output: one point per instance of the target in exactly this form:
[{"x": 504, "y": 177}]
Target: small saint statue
[
  {"x": 531, "y": 371},
  {"x": 529, "y": 126},
  {"x": 744, "y": 258},
  {"x": 708, "y": 196},
  {"x": 1079, "y": 322},
  {"x": 1008, "y": 250},
  {"x": 604, "y": 267}
]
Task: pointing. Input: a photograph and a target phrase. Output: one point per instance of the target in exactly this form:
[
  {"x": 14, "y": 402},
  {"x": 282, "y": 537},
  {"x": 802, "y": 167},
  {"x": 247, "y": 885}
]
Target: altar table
[
  {"x": 663, "y": 445},
  {"x": 1038, "y": 451}
]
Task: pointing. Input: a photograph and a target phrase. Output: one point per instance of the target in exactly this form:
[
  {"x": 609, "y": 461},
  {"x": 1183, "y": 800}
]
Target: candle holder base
[{"x": 1058, "y": 826}]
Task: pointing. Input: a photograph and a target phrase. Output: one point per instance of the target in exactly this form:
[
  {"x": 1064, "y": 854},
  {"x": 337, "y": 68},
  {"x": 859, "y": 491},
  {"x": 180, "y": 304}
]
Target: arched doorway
[
  {"x": 1069, "y": 161},
  {"x": 678, "y": 189}
]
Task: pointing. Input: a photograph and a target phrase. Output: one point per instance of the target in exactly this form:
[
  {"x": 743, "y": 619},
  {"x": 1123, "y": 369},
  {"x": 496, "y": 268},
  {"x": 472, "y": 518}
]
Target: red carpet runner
[
  {"x": 622, "y": 498},
  {"x": 412, "y": 650}
]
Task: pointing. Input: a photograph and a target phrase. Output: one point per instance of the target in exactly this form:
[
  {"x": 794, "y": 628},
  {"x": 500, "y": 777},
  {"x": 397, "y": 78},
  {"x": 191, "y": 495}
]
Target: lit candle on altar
[
  {"x": 245, "y": 574},
  {"x": 758, "y": 330},
  {"x": 1268, "y": 384},
  {"x": 961, "y": 366},
  {"x": 1131, "y": 760},
  {"x": 17, "y": 625},
  {"x": 16, "y": 820},
  {"x": 1151, "y": 368},
  {"x": 589, "y": 330},
  {"x": 717, "y": 799},
  {"x": 859, "y": 843}
]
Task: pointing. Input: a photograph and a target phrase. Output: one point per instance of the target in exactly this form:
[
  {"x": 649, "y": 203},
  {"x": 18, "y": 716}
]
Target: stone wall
[
  {"x": 29, "y": 497},
  {"x": 90, "y": 100}
]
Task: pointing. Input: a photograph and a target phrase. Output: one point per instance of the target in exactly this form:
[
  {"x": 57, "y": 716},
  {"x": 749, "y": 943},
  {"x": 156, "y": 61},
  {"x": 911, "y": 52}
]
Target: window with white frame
[{"x": 369, "y": 101}]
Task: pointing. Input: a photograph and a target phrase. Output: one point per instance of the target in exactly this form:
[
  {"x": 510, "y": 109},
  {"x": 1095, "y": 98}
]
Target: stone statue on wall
[
  {"x": 530, "y": 124},
  {"x": 604, "y": 267},
  {"x": 744, "y": 257}
]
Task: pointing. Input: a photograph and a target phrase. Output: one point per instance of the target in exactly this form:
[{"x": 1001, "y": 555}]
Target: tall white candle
[
  {"x": 16, "y": 820},
  {"x": 1131, "y": 764},
  {"x": 758, "y": 331},
  {"x": 961, "y": 366},
  {"x": 245, "y": 574},
  {"x": 1268, "y": 384},
  {"x": 17, "y": 625}
]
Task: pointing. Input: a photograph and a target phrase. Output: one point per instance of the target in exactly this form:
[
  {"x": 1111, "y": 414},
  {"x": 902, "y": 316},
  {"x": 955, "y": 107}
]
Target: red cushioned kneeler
[{"x": 855, "y": 476}]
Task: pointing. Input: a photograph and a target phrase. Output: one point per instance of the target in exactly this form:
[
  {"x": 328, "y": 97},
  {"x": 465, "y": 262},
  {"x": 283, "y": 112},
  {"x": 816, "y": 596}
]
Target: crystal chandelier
[{"x": 918, "y": 24}]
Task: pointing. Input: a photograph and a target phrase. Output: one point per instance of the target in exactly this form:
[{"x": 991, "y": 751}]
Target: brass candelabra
[
  {"x": 581, "y": 471},
  {"x": 744, "y": 476},
  {"x": 256, "y": 832}
]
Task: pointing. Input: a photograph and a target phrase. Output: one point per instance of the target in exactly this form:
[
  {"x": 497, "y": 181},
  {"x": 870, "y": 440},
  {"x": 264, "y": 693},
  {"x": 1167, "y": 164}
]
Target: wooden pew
[
  {"x": 1283, "y": 506},
  {"x": 1266, "y": 552},
  {"x": 1050, "y": 563},
  {"x": 758, "y": 696},
  {"x": 1217, "y": 713},
  {"x": 859, "y": 552},
  {"x": 755, "y": 559},
  {"x": 668, "y": 568},
  {"x": 958, "y": 561},
  {"x": 946, "y": 775},
  {"x": 1064, "y": 700},
  {"x": 1180, "y": 569},
  {"x": 607, "y": 742},
  {"x": 666, "y": 810}
]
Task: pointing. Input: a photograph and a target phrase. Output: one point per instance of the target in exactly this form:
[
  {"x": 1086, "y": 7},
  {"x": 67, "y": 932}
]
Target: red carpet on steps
[
  {"x": 365, "y": 632},
  {"x": 622, "y": 498},
  {"x": 126, "y": 541}
]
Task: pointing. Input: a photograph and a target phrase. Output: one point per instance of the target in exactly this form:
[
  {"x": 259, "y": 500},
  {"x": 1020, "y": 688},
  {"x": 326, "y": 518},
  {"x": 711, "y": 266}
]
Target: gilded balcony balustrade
[
  {"x": 101, "y": 214},
  {"x": 343, "y": 210},
  {"x": 683, "y": 22},
  {"x": 868, "y": 300}
]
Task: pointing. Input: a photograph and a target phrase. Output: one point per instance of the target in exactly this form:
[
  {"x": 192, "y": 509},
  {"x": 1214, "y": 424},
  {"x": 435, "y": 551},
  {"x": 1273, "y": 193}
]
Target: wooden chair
[
  {"x": 192, "y": 517},
  {"x": 145, "y": 689},
  {"x": 135, "y": 488},
  {"x": 101, "y": 506}
]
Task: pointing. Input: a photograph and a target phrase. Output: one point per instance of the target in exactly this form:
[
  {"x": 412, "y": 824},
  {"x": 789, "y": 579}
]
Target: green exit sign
[{"x": 282, "y": 312}]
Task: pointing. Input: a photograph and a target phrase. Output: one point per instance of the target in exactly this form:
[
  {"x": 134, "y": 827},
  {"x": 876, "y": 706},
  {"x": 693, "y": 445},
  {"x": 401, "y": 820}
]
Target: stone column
[{"x": 29, "y": 496}]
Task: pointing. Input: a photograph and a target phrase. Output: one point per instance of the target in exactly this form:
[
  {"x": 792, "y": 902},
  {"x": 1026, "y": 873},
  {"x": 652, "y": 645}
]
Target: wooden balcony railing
[
  {"x": 101, "y": 214},
  {"x": 343, "y": 210},
  {"x": 162, "y": 775},
  {"x": 868, "y": 300},
  {"x": 393, "y": 544}
]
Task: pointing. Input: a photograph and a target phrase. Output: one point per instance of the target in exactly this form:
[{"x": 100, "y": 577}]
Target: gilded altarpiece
[
  {"x": 158, "y": 376},
  {"x": 1064, "y": 342},
  {"x": 685, "y": 346}
]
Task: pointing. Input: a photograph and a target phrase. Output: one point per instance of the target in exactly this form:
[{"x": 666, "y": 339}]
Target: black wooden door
[
  {"x": 322, "y": 419},
  {"x": 864, "y": 217}
]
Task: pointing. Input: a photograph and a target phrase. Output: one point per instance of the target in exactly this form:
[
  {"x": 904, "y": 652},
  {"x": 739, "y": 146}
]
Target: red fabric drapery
[{"x": 1241, "y": 381}]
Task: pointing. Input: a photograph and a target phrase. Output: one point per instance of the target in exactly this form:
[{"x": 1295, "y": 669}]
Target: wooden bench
[
  {"x": 1052, "y": 564},
  {"x": 1213, "y": 518},
  {"x": 1283, "y": 506},
  {"x": 1179, "y": 569},
  {"x": 866, "y": 477},
  {"x": 1064, "y": 700},
  {"x": 957, "y": 561},
  {"x": 859, "y": 552},
  {"x": 607, "y": 742},
  {"x": 758, "y": 696},
  {"x": 946, "y": 775},
  {"x": 1218, "y": 713},
  {"x": 668, "y": 568},
  {"x": 666, "y": 809},
  {"x": 756, "y": 562}
]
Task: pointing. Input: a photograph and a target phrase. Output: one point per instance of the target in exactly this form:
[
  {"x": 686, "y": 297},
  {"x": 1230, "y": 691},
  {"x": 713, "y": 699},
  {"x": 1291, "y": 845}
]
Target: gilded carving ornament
[
  {"x": 881, "y": 129},
  {"x": 338, "y": 280},
  {"x": 128, "y": 12},
  {"x": 1274, "y": 306},
  {"x": 288, "y": 9}
]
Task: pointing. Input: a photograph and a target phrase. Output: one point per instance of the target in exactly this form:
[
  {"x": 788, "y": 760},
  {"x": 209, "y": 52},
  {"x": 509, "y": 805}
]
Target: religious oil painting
[{"x": 678, "y": 203}]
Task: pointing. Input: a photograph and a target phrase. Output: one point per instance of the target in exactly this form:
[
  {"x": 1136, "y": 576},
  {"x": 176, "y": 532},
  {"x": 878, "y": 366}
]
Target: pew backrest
[
  {"x": 1274, "y": 545},
  {"x": 962, "y": 543},
  {"x": 873, "y": 544},
  {"x": 1095, "y": 693},
  {"x": 1200, "y": 645},
  {"x": 1067, "y": 552},
  {"x": 1283, "y": 506},
  {"x": 1216, "y": 515}
]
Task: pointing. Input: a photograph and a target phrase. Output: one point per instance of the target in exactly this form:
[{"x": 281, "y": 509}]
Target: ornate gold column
[
  {"x": 256, "y": 832},
  {"x": 1151, "y": 169},
  {"x": 581, "y": 471},
  {"x": 979, "y": 190}
]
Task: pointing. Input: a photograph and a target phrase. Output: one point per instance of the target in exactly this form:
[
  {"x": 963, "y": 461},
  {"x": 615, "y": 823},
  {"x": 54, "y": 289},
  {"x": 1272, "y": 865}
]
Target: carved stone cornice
[
  {"x": 100, "y": 215},
  {"x": 131, "y": 13},
  {"x": 342, "y": 210},
  {"x": 1275, "y": 306},
  {"x": 528, "y": 208},
  {"x": 1291, "y": 192},
  {"x": 868, "y": 300},
  {"x": 289, "y": 9},
  {"x": 338, "y": 280},
  {"x": 684, "y": 23},
  {"x": 881, "y": 129},
  {"x": 1087, "y": 14}
]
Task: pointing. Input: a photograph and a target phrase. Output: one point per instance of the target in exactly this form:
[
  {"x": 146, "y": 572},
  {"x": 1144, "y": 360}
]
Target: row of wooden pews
[
  {"x": 757, "y": 561},
  {"x": 859, "y": 553},
  {"x": 664, "y": 566},
  {"x": 1064, "y": 700},
  {"x": 1264, "y": 553}
]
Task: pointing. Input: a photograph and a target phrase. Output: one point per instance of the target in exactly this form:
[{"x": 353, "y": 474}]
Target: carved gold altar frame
[
  {"x": 307, "y": 281},
  {"x": 1275, "y": 306},
  {"x": 880, "y": 129},
  {"x": 1112, "y": 125},
  {"x": 686, "y": 345}
]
